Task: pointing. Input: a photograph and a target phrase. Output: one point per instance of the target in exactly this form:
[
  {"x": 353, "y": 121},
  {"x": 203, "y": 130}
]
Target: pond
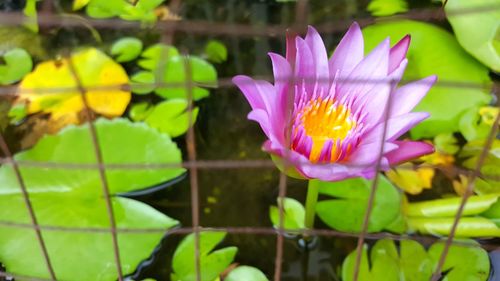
[{"x": 124, "y": 66}]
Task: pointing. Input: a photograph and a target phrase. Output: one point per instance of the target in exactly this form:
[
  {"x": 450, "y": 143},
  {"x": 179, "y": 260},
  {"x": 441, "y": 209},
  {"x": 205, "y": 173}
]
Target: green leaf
[
  {"x": 471, "y": 152},
  {"x": 246, "y": 273},
  {"x": 471, "y": 127},
  {"x": 143, "y": 82},
  {"x": 30, "y": 12},
  {"x": 347, "y": 211},
  {"x": 435, "y": 51},
  {"x": 17, "y": 112},
  {"x": 140, "y": 111},
  {"x": 463, "y": 262},
  {"x": 413, "y": 263},
  {"x": 18, "y": 63},
  {"x": 77, "y": 255},
  {"x": 448, "y": 207},
  {"x": 154, "y": 57},
  {"x": 171, "y": 117},
  {"x": 102, "y": 9},
  {"x": 126, "y": 49},
  {"x": 441, "y": 226},
  {"x": 446, "y": 143},
  {"x": 121, "y": 142},
  {"x": 477, "y": 32},
  {"x": 382, "y": 8},
  {"x": 293, "y": 214},
  {"x": 212, "y": 262},
  {"x": 175, "y": 75},
  {"x": 78, "y": 4},
  {"x": 216, "y": 51}
]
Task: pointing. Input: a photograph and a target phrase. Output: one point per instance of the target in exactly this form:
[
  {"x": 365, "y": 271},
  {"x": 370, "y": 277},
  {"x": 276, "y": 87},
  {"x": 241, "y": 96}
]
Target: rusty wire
[{"x": 47, "y": 18}]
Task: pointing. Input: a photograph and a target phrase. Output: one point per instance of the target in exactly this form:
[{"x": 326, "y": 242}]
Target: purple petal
[
  {"x": 396, "y": 126},
  {"x": 282, "y": 73},
  {"x": 317, "y": 47},
  {"x": 291, "y": 48},
  {"x": 260, "y": 116},
  {"x": 370, "y": 71},
  {"x": 348, "y": 53},
  {"x": 408, "y": 96},
  {"x": 248, "y": 88},
  {"x": 367, "y": 154},
  {"x": 398, "y": 53},
  {"x": 408, "y": 150}
]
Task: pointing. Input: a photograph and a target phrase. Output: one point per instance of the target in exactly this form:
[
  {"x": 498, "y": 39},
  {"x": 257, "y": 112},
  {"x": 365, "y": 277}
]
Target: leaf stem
[{"x": 311, "y": 200}]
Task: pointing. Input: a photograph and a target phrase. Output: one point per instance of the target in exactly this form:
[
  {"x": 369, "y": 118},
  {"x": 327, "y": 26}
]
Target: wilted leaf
[
  {"x": 17, "y": 64},
  {"x": 293, "y": 214},
  {"x": 477, "y": 32},
  {"x": 51, "y": 87},
  {"x": 435, "y": 51},
  {"x": 411, "y": 180},
  {"x": 212, "y": 262},
  {"x": 126, "y": 49},
  {"x": 171, "y": 117}
]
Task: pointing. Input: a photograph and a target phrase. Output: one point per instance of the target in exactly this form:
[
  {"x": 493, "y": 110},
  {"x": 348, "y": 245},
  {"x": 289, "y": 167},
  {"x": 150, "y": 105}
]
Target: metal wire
[{"x": 47, "y": 18}]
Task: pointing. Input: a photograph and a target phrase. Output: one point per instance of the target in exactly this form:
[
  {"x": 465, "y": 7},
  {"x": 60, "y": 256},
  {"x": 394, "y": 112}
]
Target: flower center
[{"x": 327, "y": 123}]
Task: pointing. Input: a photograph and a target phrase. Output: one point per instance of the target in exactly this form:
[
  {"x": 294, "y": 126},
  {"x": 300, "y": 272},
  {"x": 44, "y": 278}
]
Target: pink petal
[
  {"x": 260, "y": 116},
  {"x": 398, "y": 53},
  {"x": 348, "y": 53},
  {"x": 409, "y": 95},
  {"x": 259, "y": 94},
  {"x": 291, "y": 48},
  {"x": 396, "y": 126},
  {"x": 367, "y": 154},
  {"x": 368, "y": 73},
  {"x": 317, "y": 47},
  {"x": 408, "y": 150}
]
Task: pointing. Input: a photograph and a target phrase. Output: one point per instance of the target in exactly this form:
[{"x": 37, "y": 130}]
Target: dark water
[{"x": 233, "y": 197}]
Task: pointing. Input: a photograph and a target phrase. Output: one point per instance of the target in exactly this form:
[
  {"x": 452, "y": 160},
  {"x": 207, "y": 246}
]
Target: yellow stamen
[{"x": 323, "y": 121}]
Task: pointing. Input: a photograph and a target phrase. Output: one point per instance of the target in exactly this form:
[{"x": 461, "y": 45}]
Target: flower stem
[{"x": 311, "y": 200}]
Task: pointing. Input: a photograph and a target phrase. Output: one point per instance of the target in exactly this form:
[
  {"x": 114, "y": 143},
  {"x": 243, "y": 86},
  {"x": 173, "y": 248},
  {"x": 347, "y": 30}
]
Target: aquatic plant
[{"x": 336, "y": 128}]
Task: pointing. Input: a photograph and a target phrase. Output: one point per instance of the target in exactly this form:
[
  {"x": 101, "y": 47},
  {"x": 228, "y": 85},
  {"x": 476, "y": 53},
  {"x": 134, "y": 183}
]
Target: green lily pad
[
  {"x": 477, "y": 32},
  {"x": 472, "y": 127},
  {"x": 463, "y": 262},
  {"x": 435, "y": 51},
  {"x": 216, "y": 51},
  {"x": 293, "y": 214},
  {"x": 29, "y": 11},
  {"x": 155, "y": 56},
  {"x": 413, "y": 263},
  {"x": 77, "y": 255},
  {"x": 18, "y": 63},
  {"x": 171, "y": 117},
  {"x": 212, "y": 262},
  {"x": 347, "y": 211},
  {"x": 143, "y": 82},
  {"x": 121, "y": 142},
  {"x": 246, "y": 273},
  {"x": 126, "y": 49},
  {"x": 446, "y": 143},
  {"x": 382, "y": 8},
  {"x": 140, "y": 111},
  {"x": 471, "y": 153}
]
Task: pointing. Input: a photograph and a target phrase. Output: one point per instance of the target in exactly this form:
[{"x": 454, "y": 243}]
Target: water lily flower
[{"x": 325, "y": 117}]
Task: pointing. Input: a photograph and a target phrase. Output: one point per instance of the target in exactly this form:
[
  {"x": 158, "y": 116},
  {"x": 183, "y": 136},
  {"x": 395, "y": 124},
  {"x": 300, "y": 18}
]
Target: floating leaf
[
  {"x": 477, "y": 32},
  {"x": 435, "y": 51},
  {"x": 472, "y": 127},
  {"x": 448, "y": 207},
  {"x": 143, "y": 82},
  {"x": 77, "y": 255},
  {"x": 73, "y": 145},
  {"x": 293, "y": 214},
  {"x": 30, "y": 12},
  {"x": 155, "y": 56},
  {"x": 126, "y": 49},
  {"x": 381, "y": 8},
  {"x": 412, "y": 181},
  {"x": 175, "y": 75},
  {"x": 446, "y": 143},
  {"x": 347, "y": 211},
  {"x": 94, "y": 69},
  {"x": 17, "y": 64},
  {"x": 216, "y": 51},
  {"x": 140, "y": 111},
  {"x": 476, "y": 267},
  {"x": 171, "y": 117},
  {"x": 102, "y": 9},
  {"x": 212, "y": 262},
  {"x": 78, "y": 4},
  {"x": 246, "y": 273},
  {"x": 489, "y": 170},
  {"x": 415, "y": 264}
]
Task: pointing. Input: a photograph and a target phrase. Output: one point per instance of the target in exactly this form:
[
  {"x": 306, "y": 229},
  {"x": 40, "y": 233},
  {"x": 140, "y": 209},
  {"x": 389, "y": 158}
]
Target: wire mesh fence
[{"x": 48, "y": 18}]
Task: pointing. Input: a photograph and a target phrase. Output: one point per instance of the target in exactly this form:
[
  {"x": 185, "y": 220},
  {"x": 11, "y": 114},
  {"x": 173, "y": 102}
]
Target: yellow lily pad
[{"x": 52, "y": 88}]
